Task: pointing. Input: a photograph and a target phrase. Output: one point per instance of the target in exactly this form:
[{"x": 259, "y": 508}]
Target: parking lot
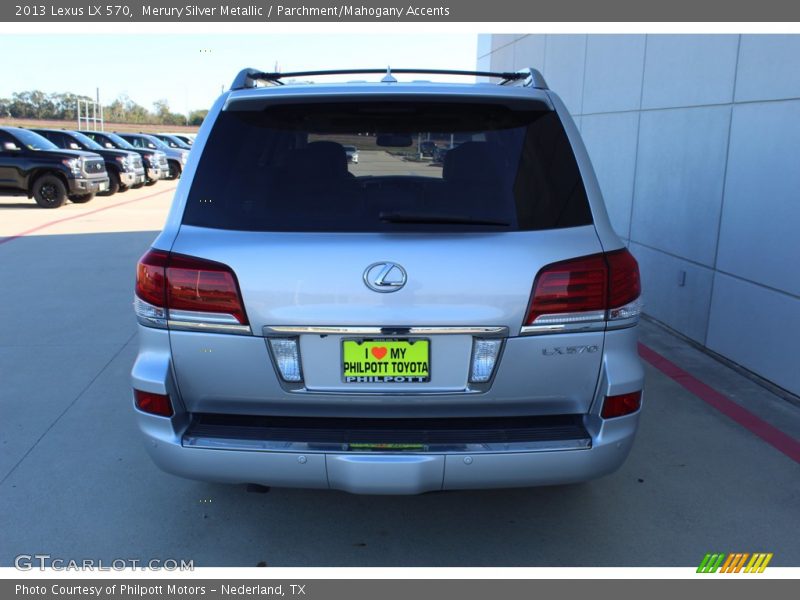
[{"x": 714, "y": 468}]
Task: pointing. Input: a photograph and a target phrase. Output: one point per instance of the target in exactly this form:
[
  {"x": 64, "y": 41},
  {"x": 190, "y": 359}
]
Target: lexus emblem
[{"x": 385, "y": 277}]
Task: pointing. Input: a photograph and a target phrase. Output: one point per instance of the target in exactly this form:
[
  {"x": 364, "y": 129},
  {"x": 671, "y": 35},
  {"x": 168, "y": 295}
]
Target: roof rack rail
[{"x": 248, "y": 78}]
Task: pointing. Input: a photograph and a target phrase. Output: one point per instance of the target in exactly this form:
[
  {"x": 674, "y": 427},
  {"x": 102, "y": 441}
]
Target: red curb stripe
[
  {"x": 78, "y": 216},
  {"x": 772, "y": 435}
]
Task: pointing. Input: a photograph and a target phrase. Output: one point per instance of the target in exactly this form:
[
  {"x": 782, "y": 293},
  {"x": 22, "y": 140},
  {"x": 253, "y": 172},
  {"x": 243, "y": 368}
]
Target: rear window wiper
[{"x": 409, "y": 217}]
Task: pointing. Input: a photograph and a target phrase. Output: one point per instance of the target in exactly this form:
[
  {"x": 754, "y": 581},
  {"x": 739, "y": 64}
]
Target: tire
[
  {"x": 49, "y": 191},
  {"x": 137, "y": 186},
  {"x": 114, "y": 185},
  {"x": 174, "y": 170},
  {"x": 82, "y": 198},
  {"x": 151, "y": 182}
]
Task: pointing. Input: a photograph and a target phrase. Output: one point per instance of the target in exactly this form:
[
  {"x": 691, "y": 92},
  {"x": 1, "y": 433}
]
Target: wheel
[
  {"x": 49, "y": 191},
  {"x": 81, "y": 199},
  {"x": 174, "y": 170},
  {"x": 151, "y": 182},
  {"x": 114, "y": 185},
  {"x": 136, "y": 186}
]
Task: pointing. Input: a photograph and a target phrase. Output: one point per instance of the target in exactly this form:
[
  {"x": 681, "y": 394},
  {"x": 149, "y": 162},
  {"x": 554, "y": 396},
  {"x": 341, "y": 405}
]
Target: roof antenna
[{"x": 388, "y": 78}]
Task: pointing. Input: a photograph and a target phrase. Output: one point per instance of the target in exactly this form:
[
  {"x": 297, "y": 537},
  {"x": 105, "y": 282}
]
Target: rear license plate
[{"x": 386, "y": 361}]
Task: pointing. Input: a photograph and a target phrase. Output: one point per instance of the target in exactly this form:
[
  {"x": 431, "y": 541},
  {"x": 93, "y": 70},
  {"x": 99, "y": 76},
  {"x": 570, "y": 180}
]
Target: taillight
[
  {"x": 151, "y": 282},
  {"x": 573, "y": 286},
  {"x": 589, "y": 288},
  {"x": 189, "y": 288},
  {"x": 621, "y": 405},
  {"x": 204, "y": 286},
  {"x": 624, "y": 285},
  {"x": 155, "y": 404}
]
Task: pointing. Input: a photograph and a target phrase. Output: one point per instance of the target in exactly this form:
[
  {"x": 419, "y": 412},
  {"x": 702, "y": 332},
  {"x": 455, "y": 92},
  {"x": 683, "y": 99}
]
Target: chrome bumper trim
[
  {"x": 284, "y": 330},
  {"x": 210, "y": 443}
]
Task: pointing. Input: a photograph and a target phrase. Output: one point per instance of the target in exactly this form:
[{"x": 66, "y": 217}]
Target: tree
[
  {"x": 164, "y": 116},
  {"x": 65, "y": 105},
  {"x": 36, "y": 104},
  {"x": 196, "y": 117}
]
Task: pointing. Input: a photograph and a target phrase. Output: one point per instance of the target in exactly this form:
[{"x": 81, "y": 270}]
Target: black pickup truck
[
  {"x": 155, "y": 161},
  {"x": 125, "y": 168},
  {"x": 34, "y": 166}
]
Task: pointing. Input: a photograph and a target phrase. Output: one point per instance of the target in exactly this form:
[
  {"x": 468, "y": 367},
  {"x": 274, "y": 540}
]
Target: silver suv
[{"x": 396, "y": 325}]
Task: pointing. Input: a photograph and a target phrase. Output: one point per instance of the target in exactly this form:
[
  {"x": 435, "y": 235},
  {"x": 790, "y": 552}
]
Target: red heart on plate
[{"x": 379, "y": 352}]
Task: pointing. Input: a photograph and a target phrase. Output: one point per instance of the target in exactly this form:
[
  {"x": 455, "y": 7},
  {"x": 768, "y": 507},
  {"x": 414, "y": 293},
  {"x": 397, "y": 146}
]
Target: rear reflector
[
  {"x": 155, "y": 404},
  {"x": 619, "y": 406},
  {"x": 589, "y": 288},
  {"x": 178, "y": 282}
]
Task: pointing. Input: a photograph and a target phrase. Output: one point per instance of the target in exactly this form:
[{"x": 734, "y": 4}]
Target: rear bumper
[
  {"x": 387, "y": 472},
  {"x": 177, "y": 446}
]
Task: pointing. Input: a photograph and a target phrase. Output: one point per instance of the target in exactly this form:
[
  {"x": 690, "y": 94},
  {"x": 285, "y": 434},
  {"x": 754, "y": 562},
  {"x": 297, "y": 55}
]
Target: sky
[{"x": 190, "y": 70}]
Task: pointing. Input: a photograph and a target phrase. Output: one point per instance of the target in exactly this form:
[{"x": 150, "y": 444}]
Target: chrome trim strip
[
  {"x": 580, "y": 327},
  {"x": 569, "y": 318},
  {"x": 563, "y": 328},
  {"x": 202, "y": 317},
  {"x": 209, "y": 327},
  {"x": 152, "y": 322},
  {"x": 622, "y": 323},
  {"x": 210, "y": 443},
  {"x": 287, "y": 330}
]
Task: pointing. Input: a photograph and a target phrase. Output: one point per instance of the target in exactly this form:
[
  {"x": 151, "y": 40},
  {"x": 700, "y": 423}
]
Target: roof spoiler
[{"x": 249, "y": 78}]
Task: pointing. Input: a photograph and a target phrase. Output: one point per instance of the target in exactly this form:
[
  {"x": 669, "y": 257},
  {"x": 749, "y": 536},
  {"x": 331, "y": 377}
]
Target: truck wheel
[
  {"x": 151, "y": 182},
  {"x": 113, "y": 185},
  {"x": 82, "y": 199},
  {"x": 174, "y": 170},
  {"x": 49, "y": 191}
]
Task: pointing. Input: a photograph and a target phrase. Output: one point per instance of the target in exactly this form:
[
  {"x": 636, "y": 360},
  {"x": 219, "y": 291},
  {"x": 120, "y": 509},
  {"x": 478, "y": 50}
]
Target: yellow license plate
[{"x": 386, "y": 361}]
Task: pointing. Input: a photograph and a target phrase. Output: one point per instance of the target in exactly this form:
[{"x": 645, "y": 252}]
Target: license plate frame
[{"x": 387, "y": 378}]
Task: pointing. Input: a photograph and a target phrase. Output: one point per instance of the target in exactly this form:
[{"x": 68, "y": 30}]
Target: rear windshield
[{"x": 486, "y": 167}]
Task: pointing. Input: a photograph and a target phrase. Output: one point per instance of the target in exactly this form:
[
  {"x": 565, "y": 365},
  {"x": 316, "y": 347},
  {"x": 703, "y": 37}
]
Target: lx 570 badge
[{"x": 570, "y": 350}]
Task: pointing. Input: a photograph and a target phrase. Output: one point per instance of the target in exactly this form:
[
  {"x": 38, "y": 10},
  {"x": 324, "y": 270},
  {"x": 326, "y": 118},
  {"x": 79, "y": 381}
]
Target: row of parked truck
[{"x": 55, "y": 165}]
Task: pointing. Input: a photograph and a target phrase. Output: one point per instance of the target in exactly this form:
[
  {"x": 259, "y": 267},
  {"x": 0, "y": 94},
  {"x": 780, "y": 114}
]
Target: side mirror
[
  {"x": 74, "y": 146},
  {"x": 109, "y": 145},
  {"x": 11, "y": 147}
]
